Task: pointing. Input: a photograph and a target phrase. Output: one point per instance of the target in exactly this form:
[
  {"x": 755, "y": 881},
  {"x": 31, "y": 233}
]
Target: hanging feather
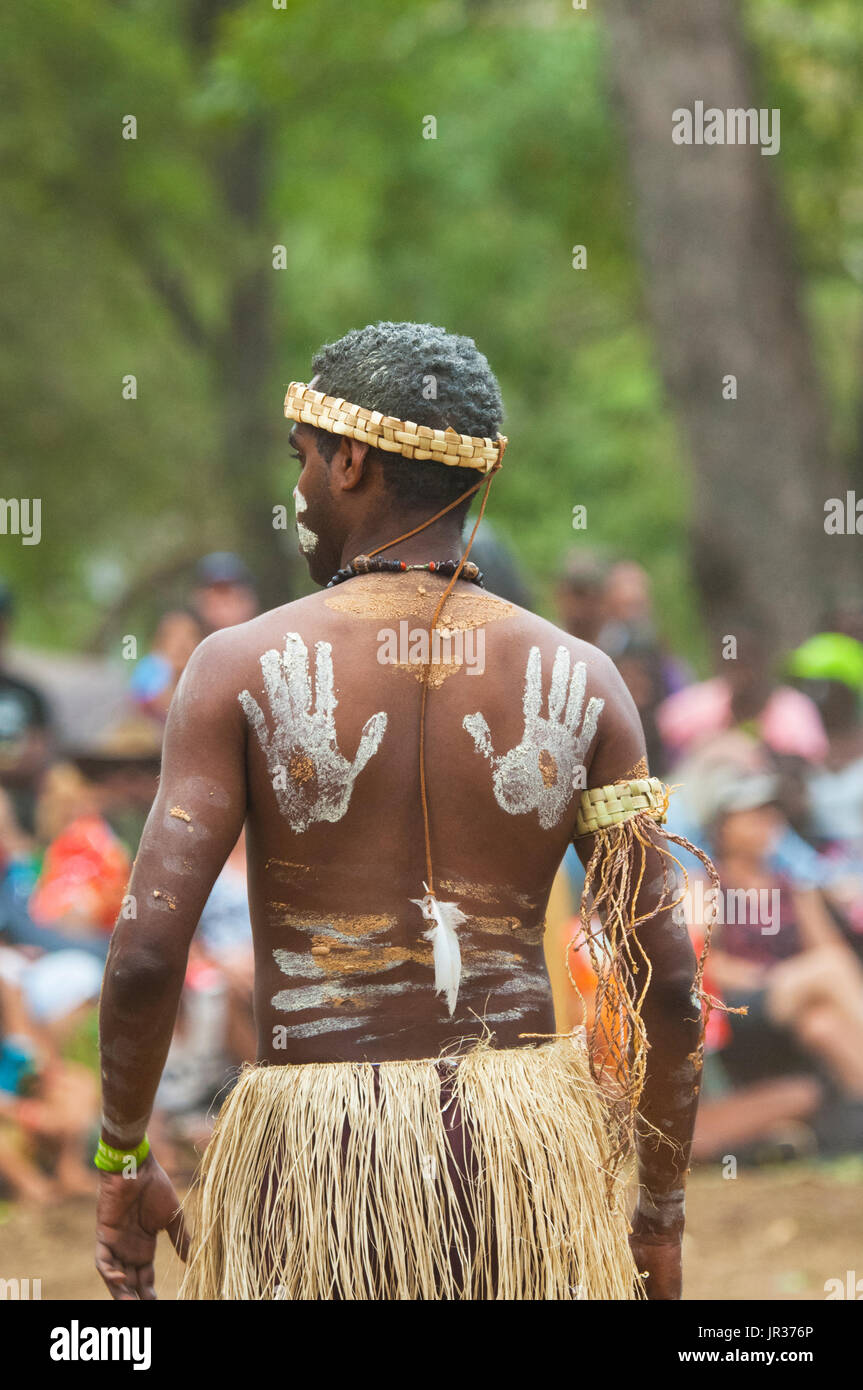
[{"x": 443, "y": 920}]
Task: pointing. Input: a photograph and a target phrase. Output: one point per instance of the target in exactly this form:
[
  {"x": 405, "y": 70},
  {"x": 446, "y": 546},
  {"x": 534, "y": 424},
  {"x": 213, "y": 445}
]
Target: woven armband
[{"x": 601, "y": 807}]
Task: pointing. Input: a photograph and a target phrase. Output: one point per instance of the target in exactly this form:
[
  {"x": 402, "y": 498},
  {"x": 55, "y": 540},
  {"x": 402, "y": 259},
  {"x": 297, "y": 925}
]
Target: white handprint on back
[
  {"x": 539, "y": 774},
  {"x": 311, "y": 778}
]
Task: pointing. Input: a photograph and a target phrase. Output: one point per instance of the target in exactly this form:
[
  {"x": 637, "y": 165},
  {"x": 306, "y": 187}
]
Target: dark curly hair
[{"x": 417, "y": 372}]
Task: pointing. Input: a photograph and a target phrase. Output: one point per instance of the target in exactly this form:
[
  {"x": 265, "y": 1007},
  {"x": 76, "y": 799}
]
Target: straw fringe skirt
[{"x": 486, "y": 1178}]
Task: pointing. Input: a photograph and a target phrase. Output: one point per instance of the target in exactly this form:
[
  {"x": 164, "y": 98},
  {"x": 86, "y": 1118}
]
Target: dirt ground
[{"x": 769, "y": 1233}]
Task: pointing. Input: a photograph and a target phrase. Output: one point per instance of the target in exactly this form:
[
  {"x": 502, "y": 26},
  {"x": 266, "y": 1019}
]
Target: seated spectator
[
  {"x": 801, "y": 985},
  {"x": 122, "y": 772},
  {"x": 579, "y": 594},
  {"x": 640, "y": 663},
  {"x": 25, "y": 722},
  {"x": 627, "y": 606},
  {"x": 86, "y": 868},
  {"x": 629, "y": 623},
  {"x": 829, "y": 668},
  {"x": 155, "y": 676},
  {"x": 225, "y": 593},
  {"x": 48, "y": 1103},
  {"x": 744, "y": 696}
]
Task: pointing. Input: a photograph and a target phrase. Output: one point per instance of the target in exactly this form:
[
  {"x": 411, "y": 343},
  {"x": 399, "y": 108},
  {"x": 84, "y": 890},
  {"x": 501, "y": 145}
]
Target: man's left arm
[
  {"x": 663, "y": 970},
  {"x": 194, "y": 823}
]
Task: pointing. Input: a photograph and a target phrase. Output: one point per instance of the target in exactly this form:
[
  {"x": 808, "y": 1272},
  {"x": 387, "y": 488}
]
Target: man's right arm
[{"x": 195, "y": 821}]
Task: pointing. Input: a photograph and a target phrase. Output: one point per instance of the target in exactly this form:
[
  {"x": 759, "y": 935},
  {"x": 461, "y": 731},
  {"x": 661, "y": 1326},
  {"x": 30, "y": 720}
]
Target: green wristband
[{"x": 114, "y": 1160}]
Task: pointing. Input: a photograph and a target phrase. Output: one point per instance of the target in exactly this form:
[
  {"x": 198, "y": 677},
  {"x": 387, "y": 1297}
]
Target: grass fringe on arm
[{"x": 614, "y": 878}]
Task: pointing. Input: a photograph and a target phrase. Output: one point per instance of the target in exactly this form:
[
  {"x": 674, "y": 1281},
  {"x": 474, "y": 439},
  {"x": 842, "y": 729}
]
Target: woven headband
[{"x": 331, "y": 413}]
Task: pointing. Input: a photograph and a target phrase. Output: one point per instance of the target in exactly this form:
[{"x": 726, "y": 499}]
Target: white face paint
[
  {"x": 311, "y": 779},
  {"x": 539, "y": 774},
  {"x": 307, "y": 537}
]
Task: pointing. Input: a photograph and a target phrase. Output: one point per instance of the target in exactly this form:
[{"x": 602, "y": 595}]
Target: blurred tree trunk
[
  {"x": 246, "y": 381},
  {"x": 722, "y": 291}
]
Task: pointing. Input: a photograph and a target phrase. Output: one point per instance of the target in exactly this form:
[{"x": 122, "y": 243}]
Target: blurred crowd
[
  {"x": 767, "y": 759},
  {"x": 70, "y": 819}
]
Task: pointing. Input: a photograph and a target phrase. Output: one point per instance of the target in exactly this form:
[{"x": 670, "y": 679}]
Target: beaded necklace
[{"x": 365, "y": 564}]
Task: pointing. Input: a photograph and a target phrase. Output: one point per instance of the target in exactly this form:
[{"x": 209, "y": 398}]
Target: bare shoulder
[
  {"x": 603, "y": 677},
  {"x": 565, "y": 660},
  {"x": 226, "y": 660}
]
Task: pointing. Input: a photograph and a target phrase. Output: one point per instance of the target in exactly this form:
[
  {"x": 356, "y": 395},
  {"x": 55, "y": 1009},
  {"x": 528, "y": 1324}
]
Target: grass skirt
[{"x": 482, "y": 1178}]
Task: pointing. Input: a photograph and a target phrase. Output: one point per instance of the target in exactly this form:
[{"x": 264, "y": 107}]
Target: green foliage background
[{"x": 473, "y": 230}]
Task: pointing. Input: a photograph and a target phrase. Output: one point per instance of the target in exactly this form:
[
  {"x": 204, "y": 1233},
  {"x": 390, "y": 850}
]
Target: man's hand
[
  {"x": 129, "y": 1214},
  {"x": 659, "y": 1257},
  {"x": 539, "y": 774},
  {"x": 311, "y": 778}
]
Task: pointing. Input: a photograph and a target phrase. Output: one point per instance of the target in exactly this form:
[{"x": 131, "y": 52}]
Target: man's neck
[{"x": 440, "y": 541}]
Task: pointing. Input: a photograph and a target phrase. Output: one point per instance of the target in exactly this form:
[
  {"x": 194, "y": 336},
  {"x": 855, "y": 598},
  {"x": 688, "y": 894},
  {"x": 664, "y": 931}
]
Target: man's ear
[{"x": 350, "y": 463}]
